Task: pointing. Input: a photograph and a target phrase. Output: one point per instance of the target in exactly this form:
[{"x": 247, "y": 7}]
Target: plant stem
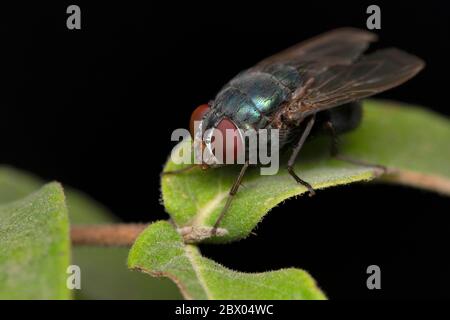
[{"x": 106, "y": 235}]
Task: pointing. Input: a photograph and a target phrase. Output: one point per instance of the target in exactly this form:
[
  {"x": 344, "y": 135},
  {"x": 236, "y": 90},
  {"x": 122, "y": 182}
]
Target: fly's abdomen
[{"x": 254, "y": 94}]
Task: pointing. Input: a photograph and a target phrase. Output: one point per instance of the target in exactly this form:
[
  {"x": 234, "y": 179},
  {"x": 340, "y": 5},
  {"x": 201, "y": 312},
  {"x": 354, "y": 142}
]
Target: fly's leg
[
  {"x": 296, "y": 150},
  {"x": 334, "y": 150},
  {"x": 231, "y": 194}
]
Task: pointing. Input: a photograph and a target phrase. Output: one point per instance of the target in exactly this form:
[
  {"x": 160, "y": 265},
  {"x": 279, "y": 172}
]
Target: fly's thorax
[
  {"x": 247, "y": 103},
  {"x": 253, "y": 95}
]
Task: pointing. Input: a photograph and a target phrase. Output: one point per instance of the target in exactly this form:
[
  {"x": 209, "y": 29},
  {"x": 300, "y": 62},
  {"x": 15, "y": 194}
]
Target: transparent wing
[
  {"x": 336, "y": 47},
  {"x": 331, "y": 86}
]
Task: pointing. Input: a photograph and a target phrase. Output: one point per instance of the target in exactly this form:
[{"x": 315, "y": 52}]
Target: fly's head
[{"x": 216, "y": 138}]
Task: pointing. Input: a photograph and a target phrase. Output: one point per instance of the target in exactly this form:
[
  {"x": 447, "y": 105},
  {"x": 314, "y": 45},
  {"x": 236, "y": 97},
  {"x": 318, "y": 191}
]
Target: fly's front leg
[
  {"x": 231, "y": 194},
  {"x": 296, "y": 150},
  {"x": 334, "y": 150}
]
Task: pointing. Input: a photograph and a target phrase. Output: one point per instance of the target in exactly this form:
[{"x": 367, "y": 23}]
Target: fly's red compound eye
[
  {"x": 230, "y": 148},
  {"x": 197, "y": 115}
]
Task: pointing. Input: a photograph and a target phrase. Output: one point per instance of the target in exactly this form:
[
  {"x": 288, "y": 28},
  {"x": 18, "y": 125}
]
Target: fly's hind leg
[
  {"x": 334, "y": 150},
  {"x": 296, "y": 150}
]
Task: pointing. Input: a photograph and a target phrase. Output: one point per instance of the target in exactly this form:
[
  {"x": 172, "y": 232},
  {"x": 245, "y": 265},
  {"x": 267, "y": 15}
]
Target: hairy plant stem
[{"x": 121, "y": 234}]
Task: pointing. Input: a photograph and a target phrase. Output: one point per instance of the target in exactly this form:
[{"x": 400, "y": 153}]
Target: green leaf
[
  {"x": 104, "y": 273},
  {"x": 160, "y": 251},
  {"x": 411, "y": 141},
  {"x": 35, "y": 245}
]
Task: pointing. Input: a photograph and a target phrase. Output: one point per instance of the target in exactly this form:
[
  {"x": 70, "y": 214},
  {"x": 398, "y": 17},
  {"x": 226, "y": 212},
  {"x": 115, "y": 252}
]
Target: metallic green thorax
[{"x": 250, "y": 97}]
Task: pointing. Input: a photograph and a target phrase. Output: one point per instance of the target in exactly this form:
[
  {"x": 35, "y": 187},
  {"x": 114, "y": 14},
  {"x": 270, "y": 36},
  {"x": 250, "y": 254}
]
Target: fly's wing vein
[
  {"x": 337, "y": 47},
  {"x": 333, "y": 72},
  {"x": 374, "y": 73}
]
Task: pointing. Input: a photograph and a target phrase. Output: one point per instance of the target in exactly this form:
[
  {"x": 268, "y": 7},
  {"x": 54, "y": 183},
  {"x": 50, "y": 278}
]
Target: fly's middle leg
[{"x": 296, "y": 150}]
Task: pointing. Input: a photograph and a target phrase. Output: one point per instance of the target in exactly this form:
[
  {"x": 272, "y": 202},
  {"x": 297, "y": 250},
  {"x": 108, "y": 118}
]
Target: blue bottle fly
[{"x": 314, "y": 85}]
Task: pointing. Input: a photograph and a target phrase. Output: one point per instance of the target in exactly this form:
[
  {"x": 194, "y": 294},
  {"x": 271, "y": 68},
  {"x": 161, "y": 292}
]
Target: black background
[{"x": 94, "y": 108}]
